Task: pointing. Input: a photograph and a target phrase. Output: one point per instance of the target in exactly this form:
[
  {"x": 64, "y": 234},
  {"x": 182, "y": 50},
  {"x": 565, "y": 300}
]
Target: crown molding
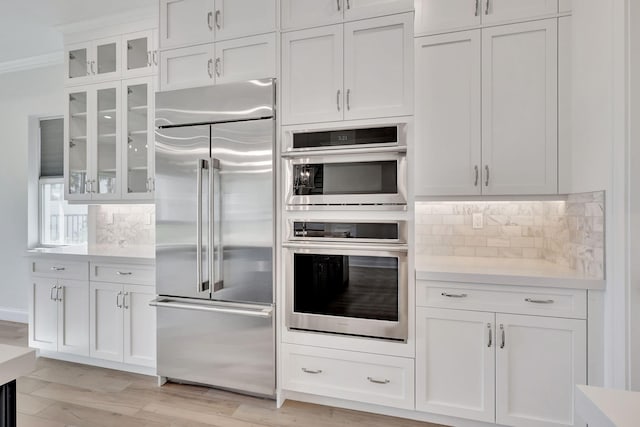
[
  {"x": 149, "y": 14},
  {"x": 38, "y": 61}
]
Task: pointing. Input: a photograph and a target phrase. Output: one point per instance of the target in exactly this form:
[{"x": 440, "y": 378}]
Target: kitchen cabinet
[
  {"x": 564, "y": 105},
  {"x": 333, "y": 73},
  {"x": 299, "y": 14},
  {"x": 139, "y": 54},
  {"x": 93, "y": 61},
  {"x": 486, "y": 111},
  {"x": 470, "y": 348},
  {"x": 191, "y": 22},
  {"x": 222, "y": 62},
  {"x": 436, "y": 16}
]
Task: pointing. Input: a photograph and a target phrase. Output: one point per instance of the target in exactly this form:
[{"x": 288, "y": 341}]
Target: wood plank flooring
[{"x": 60, "y": 394}]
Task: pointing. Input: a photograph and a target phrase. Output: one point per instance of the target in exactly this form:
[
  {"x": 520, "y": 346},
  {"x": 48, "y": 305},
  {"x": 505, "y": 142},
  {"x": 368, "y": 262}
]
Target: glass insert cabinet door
[
  {"x": 138, "y": 55},
  {"x": 107, "y": 57},
  {"x": 137, "y": 95},
  {"x": 77, "y": 152},
  {"x": 105, "y": 183}
]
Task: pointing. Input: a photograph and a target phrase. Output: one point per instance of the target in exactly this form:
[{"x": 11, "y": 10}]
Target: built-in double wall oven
[{"x": 346, "y": 273}]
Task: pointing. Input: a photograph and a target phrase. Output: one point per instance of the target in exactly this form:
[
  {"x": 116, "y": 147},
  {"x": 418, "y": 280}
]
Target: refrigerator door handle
[
  {"x": 215, "y": 263},
  {"x": 202, "y": 164},
  {"x": 228, "y": 308}
]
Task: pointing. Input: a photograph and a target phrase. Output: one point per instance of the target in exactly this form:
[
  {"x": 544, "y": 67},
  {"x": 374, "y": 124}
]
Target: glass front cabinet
[{"x": 108, "y": 134}]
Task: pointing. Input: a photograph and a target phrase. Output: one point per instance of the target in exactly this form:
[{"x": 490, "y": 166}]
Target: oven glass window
[
  {"x": 346, "y": 178},
  {"x": 344, "y": 230},
  {"x": 364, "y": 287},
  {"x": 339, "y": 138}
]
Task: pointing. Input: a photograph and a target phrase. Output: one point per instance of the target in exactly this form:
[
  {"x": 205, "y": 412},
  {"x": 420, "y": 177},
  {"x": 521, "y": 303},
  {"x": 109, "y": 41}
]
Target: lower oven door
[{"x": 354, "y": 290}]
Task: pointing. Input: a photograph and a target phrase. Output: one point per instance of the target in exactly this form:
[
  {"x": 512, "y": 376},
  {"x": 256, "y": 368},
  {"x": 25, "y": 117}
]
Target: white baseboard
[{"x": 14, "y": 315}]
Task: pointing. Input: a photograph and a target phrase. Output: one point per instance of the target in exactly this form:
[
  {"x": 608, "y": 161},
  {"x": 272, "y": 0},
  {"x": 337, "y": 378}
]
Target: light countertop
[
  {"x": 502, "y": 271},
  {"x": 15, "y": 362},
  {"x": 601, "y": 407},
  {"x": 104, "y": 253}
]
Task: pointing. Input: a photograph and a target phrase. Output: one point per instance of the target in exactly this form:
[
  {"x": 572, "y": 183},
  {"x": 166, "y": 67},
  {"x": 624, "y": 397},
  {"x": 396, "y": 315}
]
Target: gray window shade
[{"x": 51, "y": 147}]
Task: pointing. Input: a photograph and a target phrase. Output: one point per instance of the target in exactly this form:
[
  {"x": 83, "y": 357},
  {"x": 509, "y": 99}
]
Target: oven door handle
[
  {"x": 345, "y": 151},
  {"x": 343, "y": 246}
]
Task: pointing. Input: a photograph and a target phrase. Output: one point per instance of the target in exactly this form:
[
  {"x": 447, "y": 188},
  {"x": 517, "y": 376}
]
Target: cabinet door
[
  {"x": 538, "y": 364},
  {"x": 360, "y": 9},
  {"x": 137, "y": 138},
  {"x": 137, "y": 54},
  {"x": 495, "y": 11},
  {"x": 448, "y": 118},
  {"x": 519, "y": 108},
  {"x": 434, "y": 16},
  {"x": 455, "y": 363},
  {"x": 246, "y": 58},
  {"x": 106, "y": 329},
  {"x": 186, "y": 67},
  {"x": 77, "y": 150},
  {"x": 185, "y": 22},
  {"x": 77, "y": 61},
  {"x": 238, "y": 18},
  {"x": 106, "y": 156},
  {"x": 107, "y": 61},
  {"x": 312, "y": 75},
  {"x": 73, "y": 317},
  {"x": 378, "y": 68},
  {"x": 139, "y": 325},
  {"x": 43, "y": 314},
  {"x": 565, "y": 127},
  {"x": 310, "y": 13}
]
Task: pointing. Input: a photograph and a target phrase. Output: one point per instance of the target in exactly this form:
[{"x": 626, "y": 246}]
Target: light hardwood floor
[{"x": 67, "y": 394}]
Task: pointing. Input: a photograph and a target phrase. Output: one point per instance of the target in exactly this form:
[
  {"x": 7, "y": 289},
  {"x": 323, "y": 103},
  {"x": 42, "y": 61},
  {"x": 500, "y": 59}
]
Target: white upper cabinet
[
  {"x": 139, "y": 55},
  {"x": 360, "y": 9},
  {"x": 519, "y": 107},
  {"x": 312, "y": 75},
  {"x": 378, "y": 67},
  {"x": 93, "y": 61},
  {"x": 186, "y": 67},
  {"x": 447, "y": 113},
  {"x": 564, "y": 105},
  {"x": 238, "y": 18},
  {"x": 309, "y": 13},
  {"x": 186, "y": 22},
  {"x": 105, "y": 167},
  {"x": 498, "y": 11},
  {"x": 539, "y": 361},
  {"x": 433, "y": 16},
  {"x": 245, "y": 58}
]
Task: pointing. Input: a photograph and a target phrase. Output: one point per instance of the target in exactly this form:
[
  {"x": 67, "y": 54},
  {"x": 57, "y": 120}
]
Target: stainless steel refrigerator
[{"x": 215, "y": 235}]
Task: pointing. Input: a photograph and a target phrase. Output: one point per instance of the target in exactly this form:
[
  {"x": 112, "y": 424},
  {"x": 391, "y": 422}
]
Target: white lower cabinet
[{"x": 361, "y": 377}]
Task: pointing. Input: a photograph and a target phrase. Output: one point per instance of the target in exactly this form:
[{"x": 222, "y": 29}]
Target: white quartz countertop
[
  {"x": 129, "y": 254},
  {"x": 601, "y": 407},
  {"x": 502, "y": 271},
  {"x": 15, "y": 362}
]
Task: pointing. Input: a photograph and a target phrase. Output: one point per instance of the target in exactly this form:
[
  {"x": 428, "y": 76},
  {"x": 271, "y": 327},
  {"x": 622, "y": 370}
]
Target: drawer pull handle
[
  {"x": 502, "y": 344},
  {"x": 375, "y": 381},
  {"x": 539, "y": 301},
  {"x": 312, "y": 371},
  {"x": 444, "y": 294},
  {"x": 57, "y": 268},
  {"x": 490, "y": 343},
  {"x": 124, "y": 273}
]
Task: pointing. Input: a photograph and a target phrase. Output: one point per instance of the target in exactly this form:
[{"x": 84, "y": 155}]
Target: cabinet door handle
[
  {"x": 93, "y": 71},
  {"x": 218, "y": 14},
  {"x": 88, "y": 68},
  {"x": 149, "y": 58},
  {"x": 59, "y": 289},
  {"x": 217, "y": 66},
  {"x": 338, "y": 1},
  {"x": 54, "y": 268},
  {"x": 209, "y": 67},
  {"x": 477, "y": 7},
  {"x": 490, "y": 343},
  {"x": 486, "y": 178},
  {"x": 445, "y": 294},
  {"x": 124, "y": 273},
  {"x": 118, "y": 304},
  {"x": 124, "y": 300},
  {"x": 348, "y": 4},
  {"x": 338, "y": 100},
  {"x": 348, "y": 91},
  {"x": 375, "y": 381},
  {"x": 475, "y": 168},
  {"x": 539, "y": 301},
  {"x": 210, "y": 20},
  {"x": 486, "y": 11},
  {"x": 312, "y": 371},
  {"x": 51, "y": 297},
  {"x": 155, "y": 57},
  {"x": 502, "y": 334}
]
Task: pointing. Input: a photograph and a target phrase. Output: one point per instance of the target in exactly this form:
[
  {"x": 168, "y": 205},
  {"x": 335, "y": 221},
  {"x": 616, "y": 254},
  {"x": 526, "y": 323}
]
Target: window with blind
[{"x": 60, "y": 222}]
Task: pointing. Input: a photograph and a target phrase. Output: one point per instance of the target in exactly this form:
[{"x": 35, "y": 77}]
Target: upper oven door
[
  {"x": 347, "y": 179},
  {"x": 303, "y": 140}
]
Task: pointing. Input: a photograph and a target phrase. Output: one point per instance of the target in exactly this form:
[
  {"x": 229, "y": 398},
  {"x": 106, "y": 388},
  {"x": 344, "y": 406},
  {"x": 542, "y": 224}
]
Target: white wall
[{"x": 36, "y": 92}]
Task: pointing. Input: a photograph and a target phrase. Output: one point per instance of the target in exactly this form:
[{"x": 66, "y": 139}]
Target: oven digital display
[
  {"x": 339, "y": 138},
  {"x": 345, "y": 230}
]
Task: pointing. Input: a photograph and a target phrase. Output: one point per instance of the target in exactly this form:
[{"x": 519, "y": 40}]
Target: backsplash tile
[
  {"x": 122, "y": 225},
  {"x": 568, "y": 232}
]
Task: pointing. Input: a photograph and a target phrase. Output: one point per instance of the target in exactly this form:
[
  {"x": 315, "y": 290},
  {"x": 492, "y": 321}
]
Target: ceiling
[{"x": 28, "y": 27}]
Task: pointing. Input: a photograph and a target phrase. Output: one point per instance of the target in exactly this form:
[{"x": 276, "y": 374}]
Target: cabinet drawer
[
  {"x": 122, "y": 273},
  {"x": 369, "y": 378},
  {"x": 503, "y": 299},
  {"x": 65, "y": 269}
]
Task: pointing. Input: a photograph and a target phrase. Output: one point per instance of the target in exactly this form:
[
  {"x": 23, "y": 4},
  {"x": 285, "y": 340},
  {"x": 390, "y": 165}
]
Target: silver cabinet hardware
[
  {"x": 539, "y": 301},
  {"x": 146, "y": 186},
  {"x": 486, "y": 178},
  {"x": 124, "y": 300},
  {"x": 490, "y": 343},
  {"x": 33, "y": 267},
  {"x": 155, "y": 57},
  {"x": 118, "y": 304},
  {"x": 338, "y": 99},
  {"x": 58, "y": 291},
  {"x": 375, "y": 381},
  {"x": 124, "y": 273},
  {"x": 502, "y": 334},
  {"x": 93, "y": 63},
  {"x": 218, "y": 14},
  {"x": 210, "y": 67},
  {"x": 477, "y": 171},
  {"x": 348, "y": 95},
  {"x": 210, "y": 20},
  {"x": 88, "y": 68},
  {"x": 486, "y": 11},
  {"x": 338, "y": 2},
  {"x": 312, "y": 371},
  {"x": 217, "y": 67},
  {"x": 149, "y": 58},
  {"x": 54, "y": 268},
  {"x": 445, "y": 294},
  {"x": 51, "y": 297},
  {"x": 477, "y": 7},
  {"x": 348, "y": 4}
]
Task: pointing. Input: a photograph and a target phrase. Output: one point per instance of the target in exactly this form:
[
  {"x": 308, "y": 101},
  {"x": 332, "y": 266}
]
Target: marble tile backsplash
[
  {"x": 569, "y": 232},
  {"x": 122, "y": 225}
]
